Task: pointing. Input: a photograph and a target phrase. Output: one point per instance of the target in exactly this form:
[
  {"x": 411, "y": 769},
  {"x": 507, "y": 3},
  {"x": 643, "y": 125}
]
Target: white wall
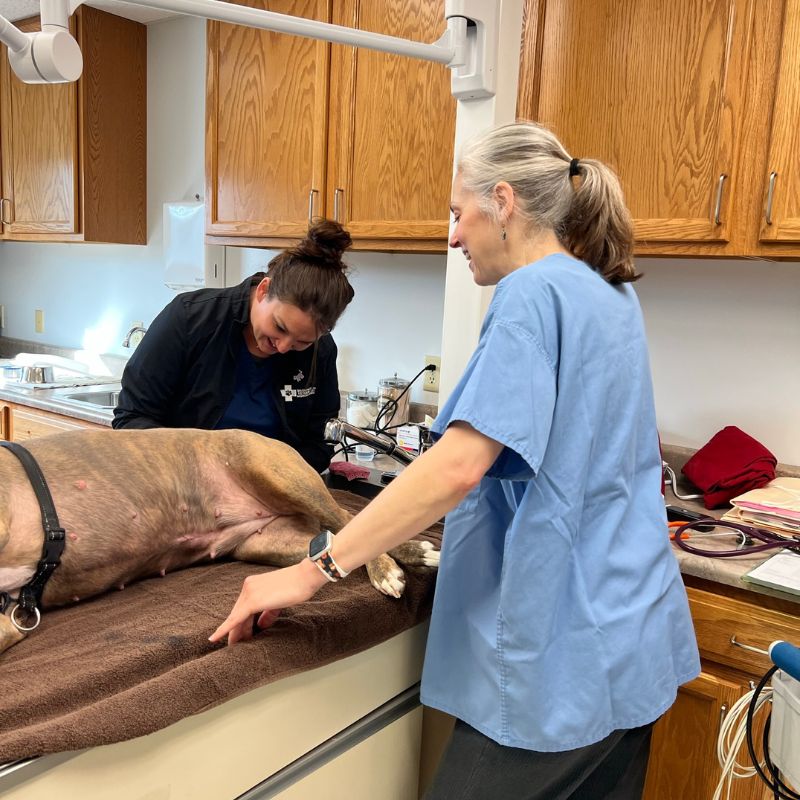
[
  {"x": 725, "y": 349},
  {"x": 724, "y": 335},
  {"x": 91, "y": 293}
]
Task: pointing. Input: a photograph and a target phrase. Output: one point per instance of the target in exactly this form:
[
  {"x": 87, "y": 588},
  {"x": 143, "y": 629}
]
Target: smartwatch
[{"x": 319, "y": 551}]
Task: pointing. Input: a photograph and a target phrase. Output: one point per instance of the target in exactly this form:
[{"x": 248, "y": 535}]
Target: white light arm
[
  {"x": 468, "y": 45},
  {"x": 50, "y": 55}
]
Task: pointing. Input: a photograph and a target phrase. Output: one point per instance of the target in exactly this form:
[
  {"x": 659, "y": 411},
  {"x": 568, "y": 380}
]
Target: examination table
[{"x": 123, "y": 696}]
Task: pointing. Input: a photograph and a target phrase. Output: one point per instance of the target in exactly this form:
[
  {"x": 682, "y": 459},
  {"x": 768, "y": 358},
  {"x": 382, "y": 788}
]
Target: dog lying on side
[{"x": 136, "y": 503}]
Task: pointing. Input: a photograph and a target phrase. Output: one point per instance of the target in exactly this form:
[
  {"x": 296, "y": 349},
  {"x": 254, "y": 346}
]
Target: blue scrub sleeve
[{"x": 508, "y": 393}]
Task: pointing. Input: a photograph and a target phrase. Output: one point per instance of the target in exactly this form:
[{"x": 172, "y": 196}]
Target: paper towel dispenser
[{"x": 189, "y": 263}]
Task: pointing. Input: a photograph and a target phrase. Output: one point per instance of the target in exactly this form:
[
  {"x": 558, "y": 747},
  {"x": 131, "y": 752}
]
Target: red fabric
[
  {"x": 729, "y": 464},
  {"x": 348, "y": 470}
]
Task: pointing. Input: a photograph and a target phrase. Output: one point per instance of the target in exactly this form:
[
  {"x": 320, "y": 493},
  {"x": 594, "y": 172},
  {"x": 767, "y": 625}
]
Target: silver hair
[{"x": 589, "y": 215}]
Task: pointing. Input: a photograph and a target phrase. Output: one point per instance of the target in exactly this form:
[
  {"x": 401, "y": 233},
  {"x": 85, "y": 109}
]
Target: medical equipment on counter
[
  {"x": 747, "y": 533},
  {"x": 781, "y": 733},
  {"x": 337, "y": 430},
  {"x": 362, "y": 410},
  {"x": 671, "y": 481},
  {"x": 393, "y": 402}
]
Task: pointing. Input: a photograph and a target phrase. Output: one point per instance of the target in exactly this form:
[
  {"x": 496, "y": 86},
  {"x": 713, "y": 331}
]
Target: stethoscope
[{"x": 768, "y": 539}]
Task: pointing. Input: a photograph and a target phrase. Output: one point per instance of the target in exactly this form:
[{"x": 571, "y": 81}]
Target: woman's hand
[{"x": 267, "y": 594}]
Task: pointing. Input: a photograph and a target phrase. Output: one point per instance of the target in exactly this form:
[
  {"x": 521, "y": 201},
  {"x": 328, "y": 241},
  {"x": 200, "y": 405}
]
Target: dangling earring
[{"x": 503, "y": 234}]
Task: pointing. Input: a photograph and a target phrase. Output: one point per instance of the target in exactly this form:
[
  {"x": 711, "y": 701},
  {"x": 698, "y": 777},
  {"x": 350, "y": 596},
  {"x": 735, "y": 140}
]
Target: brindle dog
[{"x": 136, "y": 503}]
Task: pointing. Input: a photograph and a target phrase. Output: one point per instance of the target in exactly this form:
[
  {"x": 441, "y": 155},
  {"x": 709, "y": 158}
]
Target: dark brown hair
[{"x": 312, "y": 276}]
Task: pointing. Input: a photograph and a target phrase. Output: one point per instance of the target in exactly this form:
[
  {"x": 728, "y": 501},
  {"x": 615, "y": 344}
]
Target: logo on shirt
[
  {"x": 288, "y": 394},
  {"x": 297, "y": 378}
]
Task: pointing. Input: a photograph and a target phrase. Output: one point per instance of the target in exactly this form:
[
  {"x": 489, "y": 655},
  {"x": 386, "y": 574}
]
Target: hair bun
[{"x": 324, "y": 243}]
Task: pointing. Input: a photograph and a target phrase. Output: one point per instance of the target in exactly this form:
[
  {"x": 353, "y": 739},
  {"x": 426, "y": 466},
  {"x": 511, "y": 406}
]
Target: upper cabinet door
[
  {"x": 39, "y": 154},
  {"x": 392, "y": 127},
  {"x": 781, "y": 219},
  {"x": 266, "y": 123},
  {"x": 653, "y": 88}
]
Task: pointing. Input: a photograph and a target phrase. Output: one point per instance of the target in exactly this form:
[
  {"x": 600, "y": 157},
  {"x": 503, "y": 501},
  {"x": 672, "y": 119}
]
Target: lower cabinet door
[
  {"x": 683, "y": 755},
  {"x": 31, "y": 424}
]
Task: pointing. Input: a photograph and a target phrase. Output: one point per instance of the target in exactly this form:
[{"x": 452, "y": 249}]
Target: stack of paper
[
  {"x": 775, "y": 506},
  {"x": 781, "y": 571}
]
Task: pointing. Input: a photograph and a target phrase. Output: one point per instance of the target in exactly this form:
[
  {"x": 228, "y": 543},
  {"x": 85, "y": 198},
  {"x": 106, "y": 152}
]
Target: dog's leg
[
  {"x": 297, "y": 487},
  {"x": 416, "y": 553},
  {"x": 9, "y": 635},
  {"x": 281, "y": 543}
]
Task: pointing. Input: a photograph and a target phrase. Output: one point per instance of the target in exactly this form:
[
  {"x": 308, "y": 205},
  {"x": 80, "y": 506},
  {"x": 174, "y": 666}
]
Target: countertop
[
  {"x": 55, "y": 400},
  {"x": 725, "y": 571}
]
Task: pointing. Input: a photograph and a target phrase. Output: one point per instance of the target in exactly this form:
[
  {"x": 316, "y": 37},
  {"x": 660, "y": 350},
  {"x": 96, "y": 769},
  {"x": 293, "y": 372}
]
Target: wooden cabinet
[
  {"x": 677, "y": 99},
  {"x": 22, "y": 422},
  {"x": 73, "y": 156},
  {"x": 5, "y": 412},
  {"x": 297, "y": 128},
  {"x": 683, "y": 761}
]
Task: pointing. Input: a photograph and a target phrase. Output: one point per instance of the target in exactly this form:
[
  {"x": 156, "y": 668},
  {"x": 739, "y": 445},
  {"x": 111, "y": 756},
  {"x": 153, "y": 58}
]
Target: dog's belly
[{"x": 12, "y": 578}]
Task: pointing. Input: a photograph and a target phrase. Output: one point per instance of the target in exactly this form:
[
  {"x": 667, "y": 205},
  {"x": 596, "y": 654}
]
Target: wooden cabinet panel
[
  {"x": 266, "y": 125},
  {"x": 73, "y": 156},
  {"x": 657, "y": 96},
  {"x": 683, "y": 761},
  {"x": 392, "y": 127},
  {"x": 39, "y": 154},
  {"x": 4, "y": 424},
  {"x": 25, "y": 423},
  {"x": 718, "y": 619},
  {"x": 297, "y": 128},
  {"x": 781, "y": 219}
]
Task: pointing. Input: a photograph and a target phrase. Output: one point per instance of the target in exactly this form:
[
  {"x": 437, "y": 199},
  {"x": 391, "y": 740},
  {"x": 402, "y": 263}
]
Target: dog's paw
[
  {"x": 417, "y": 553},
  {"x": 386, "y": 576}
]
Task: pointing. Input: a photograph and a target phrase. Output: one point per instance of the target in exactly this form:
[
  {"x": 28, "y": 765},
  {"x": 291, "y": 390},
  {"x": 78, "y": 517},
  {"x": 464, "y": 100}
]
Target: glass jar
[
  {"x": 390, "y": 393},
  {"x": 362, "y": 409}
]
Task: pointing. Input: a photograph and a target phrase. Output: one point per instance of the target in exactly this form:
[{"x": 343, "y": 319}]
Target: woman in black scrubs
[{"x": 257, "y": 356}]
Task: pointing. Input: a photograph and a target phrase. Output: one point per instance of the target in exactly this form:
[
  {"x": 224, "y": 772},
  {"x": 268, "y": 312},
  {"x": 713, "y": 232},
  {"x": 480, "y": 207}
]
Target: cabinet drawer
[
  {"x": 29, "y": 425},
  {"x": 718, "y": 619}
]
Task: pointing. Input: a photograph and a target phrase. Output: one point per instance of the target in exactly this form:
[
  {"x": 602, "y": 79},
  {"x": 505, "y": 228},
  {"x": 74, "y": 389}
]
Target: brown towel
[{"x": 132, "y": 662}]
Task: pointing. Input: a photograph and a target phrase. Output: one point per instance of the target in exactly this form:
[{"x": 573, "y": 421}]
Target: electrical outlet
[
  {"x": 38, "y": 320},
  {"x": 430, "y": 382},
  {"x": 137, "y": 336}
]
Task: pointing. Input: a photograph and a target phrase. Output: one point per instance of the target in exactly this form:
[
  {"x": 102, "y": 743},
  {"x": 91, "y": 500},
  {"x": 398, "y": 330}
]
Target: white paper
[{"x": 780, "y": 571}]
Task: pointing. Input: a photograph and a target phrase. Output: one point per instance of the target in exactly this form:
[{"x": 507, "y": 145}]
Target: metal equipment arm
[{"x": 468, "y": 46}]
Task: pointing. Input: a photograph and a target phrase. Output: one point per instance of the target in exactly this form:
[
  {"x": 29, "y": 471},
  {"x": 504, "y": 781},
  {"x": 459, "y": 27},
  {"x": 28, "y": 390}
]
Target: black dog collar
[{"x": 30, "y": 595}]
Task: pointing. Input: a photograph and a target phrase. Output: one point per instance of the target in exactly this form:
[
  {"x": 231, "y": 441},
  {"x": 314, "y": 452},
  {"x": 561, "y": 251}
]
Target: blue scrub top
[
  {"x": 560, "y": 614},
  {"x": 252, "y": 404}
]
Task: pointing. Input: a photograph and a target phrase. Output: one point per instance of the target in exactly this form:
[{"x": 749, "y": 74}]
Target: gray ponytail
[{"x": 589, "y": 216}]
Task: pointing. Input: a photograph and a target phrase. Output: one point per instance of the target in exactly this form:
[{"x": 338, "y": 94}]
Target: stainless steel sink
[{"x": 104, "y": 398}]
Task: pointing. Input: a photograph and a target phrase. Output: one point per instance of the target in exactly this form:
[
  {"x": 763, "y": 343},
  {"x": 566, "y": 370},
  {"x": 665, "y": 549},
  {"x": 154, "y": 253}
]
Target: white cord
[{"x": 732, "y": 734}]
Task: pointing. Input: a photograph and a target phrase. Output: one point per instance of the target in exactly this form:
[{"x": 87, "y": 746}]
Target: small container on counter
[
  {"x": 390, "y": 393},
  {"x": 362, "y": 410}
]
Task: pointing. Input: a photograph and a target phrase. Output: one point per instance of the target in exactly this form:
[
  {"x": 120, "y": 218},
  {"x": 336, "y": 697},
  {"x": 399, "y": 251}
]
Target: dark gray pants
[{"x": 475, "y": 767}]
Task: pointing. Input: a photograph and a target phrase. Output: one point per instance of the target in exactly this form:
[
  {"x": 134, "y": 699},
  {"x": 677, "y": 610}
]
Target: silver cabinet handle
[
  {"x": 770, "y": 196},
  {"x": 748, "y": 647},
  {"x": 311, "y": 195},
  {"x": 3, "y": 201},
  {"x": 723, "y": 710},
  {"x": 337, "y": 193},
  {"x": 718, "y": 204}
]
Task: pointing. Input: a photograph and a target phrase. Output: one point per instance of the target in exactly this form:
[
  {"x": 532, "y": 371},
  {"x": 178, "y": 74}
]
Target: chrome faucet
[
  {"x": 126, "y": 342},
  {"x": 337, "y": 430}
]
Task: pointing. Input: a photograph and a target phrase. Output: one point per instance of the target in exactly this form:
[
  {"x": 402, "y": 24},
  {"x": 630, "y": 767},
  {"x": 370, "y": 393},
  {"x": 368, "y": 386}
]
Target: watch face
[{"x": 318, "y": 545}]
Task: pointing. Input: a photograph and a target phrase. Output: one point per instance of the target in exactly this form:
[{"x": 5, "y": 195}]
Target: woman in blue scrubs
[{"x": 561, "y": 629}]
